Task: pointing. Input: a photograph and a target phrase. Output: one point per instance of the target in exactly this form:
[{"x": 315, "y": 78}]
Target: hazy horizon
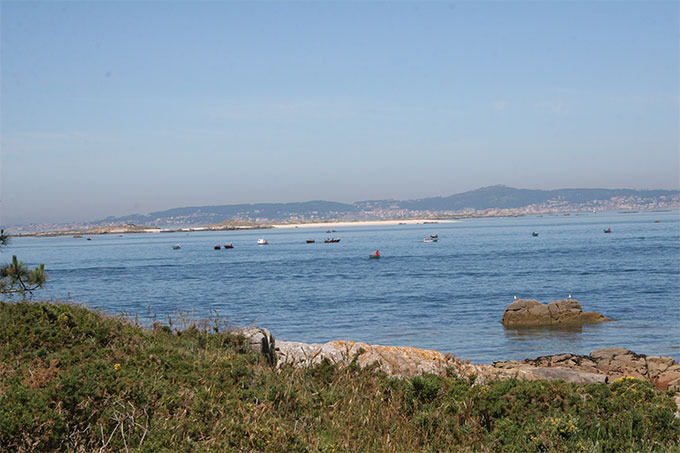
[
  {"x": 110, "y": 109},
  {"x": 71, "y": 221}
]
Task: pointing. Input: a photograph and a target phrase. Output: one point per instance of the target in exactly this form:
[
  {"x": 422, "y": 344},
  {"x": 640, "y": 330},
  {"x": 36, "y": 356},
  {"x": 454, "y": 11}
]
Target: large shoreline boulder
[
  {"x": 527, "y": 313},
  {"x": 261, "y": 341}
]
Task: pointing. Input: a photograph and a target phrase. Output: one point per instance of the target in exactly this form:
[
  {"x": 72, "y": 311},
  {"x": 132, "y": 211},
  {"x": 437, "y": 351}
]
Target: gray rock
[
  {"x": 575, "y": 376},
  {"x": 620, "y": 361},
  {"x": 393, "y": 360},
  {"x": 670, "y": 378},
  {"x": 657, "y": 365},
  {"x": 608, "y": 353},
  {"x": 261, "y": 341}
]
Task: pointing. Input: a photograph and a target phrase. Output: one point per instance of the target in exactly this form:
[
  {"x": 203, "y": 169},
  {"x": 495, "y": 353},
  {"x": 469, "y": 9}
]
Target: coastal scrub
[{"x": 72, "y": 379}]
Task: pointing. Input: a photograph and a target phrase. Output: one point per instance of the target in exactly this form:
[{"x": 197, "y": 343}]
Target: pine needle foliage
[{"x": 16, "y": 278}]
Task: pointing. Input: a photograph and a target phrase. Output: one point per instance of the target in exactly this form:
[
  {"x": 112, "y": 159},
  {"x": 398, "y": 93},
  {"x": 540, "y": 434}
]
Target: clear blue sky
[{"x": 113, "y": 108}]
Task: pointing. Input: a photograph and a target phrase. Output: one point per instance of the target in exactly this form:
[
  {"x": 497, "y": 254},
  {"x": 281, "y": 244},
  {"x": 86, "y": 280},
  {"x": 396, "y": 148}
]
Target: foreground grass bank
[{"x": 72, "y": 379}]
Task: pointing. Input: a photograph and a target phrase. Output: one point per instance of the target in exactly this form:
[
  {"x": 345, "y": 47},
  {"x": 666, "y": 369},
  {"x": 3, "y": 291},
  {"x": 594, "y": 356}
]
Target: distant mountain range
[
  {"x": 503, "y": 197},
  {"x": 493, "y": 200}
]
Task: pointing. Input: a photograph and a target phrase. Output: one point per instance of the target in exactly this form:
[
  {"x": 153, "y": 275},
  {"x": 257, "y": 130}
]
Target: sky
[{"x": 115, "y": 108}]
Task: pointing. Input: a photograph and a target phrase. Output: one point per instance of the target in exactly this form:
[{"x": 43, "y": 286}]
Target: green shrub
[{"x": 74, "y": 380}]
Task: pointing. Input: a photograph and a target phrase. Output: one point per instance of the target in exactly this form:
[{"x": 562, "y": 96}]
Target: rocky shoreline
[{"x": 600, "y": 366}]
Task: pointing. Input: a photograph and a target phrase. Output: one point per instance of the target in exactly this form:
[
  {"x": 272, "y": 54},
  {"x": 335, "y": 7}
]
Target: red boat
[
  {"x": 229, "y": 246},
  {"x": 217, "y": 247}
]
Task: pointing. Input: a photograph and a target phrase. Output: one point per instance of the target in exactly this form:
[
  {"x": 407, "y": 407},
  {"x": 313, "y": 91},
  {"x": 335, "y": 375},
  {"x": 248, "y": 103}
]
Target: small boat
[
  {"x": 330, "y": 240},
  {"x": 89, "y": 239},
  {"x": 262, "y": 242},
  {"x": 310, "y": 241},
  {"x": 608, "y": 230},
  {"x": 534, "y": 234},
  {"x": 177, "y": 246},
  {"x": 229, "y": 246},
  {"x": 428, "y": 240},
  {"x": 217, "y": 247},
  {"x": 374, "y": 257}
]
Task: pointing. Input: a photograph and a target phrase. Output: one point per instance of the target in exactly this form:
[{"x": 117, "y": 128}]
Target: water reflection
[{"x": 551, "y": 333}]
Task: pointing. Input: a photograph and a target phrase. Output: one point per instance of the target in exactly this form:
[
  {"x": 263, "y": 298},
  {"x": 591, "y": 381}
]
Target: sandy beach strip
[{"x": 361, "y": 223}]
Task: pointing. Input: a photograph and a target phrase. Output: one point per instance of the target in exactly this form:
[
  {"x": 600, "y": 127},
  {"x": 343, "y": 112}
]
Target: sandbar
[{"x": 362, "y": 223}]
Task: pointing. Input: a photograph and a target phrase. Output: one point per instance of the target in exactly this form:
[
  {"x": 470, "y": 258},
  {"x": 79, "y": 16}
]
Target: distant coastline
[
  {"x": 133, "y": 229},
  {"x": 232, "y": 225},
  {"x": 493, "y": 201},
  {"x": 362, "y": 223},
  {"x": 141, "y": 229}
]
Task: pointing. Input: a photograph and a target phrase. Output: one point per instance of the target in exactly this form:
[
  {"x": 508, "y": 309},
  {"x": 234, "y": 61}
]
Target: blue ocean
[{"x": 447, "y": 295}]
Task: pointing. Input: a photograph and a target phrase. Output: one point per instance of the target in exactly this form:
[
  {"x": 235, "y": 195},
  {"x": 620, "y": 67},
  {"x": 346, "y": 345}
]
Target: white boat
[
  {"x": 177, "y": 246},
  {"x": 262, "y": 242}
]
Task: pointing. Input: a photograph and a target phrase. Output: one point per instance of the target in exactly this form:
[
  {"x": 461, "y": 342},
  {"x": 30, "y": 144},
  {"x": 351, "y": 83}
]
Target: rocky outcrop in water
[{"x": 525, "y": 313}]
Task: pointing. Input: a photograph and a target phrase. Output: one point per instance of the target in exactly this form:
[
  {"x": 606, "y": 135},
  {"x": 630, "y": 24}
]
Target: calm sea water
[{"x": 449, "y": 296}]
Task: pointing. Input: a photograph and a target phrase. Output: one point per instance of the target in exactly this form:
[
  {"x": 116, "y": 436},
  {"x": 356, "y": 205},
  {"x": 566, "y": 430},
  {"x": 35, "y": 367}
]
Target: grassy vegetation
[{"x": 74, "y": 380}]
